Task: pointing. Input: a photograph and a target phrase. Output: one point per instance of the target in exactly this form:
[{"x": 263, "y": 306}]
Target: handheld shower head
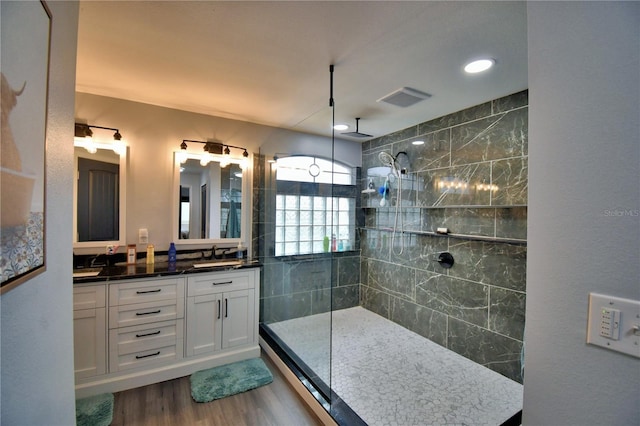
[{"x": 388, "y": 160}]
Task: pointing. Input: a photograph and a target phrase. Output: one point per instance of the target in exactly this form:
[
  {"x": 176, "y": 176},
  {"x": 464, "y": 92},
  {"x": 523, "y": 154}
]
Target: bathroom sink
[
  {"x": 215, "y": 263},
  {"x": 86, "y": 274}
]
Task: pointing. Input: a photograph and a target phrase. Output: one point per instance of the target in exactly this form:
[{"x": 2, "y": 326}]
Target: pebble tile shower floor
[{"x": 392, "y": 376}]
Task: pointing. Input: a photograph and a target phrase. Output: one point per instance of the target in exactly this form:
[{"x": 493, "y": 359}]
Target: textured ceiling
[{"x": 268, "y": 62}]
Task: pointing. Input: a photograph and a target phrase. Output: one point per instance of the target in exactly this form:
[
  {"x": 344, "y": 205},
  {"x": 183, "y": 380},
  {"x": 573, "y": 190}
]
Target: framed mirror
[
  {"x": 99, "y": 198},
  {"x": 211, "y": 203}
]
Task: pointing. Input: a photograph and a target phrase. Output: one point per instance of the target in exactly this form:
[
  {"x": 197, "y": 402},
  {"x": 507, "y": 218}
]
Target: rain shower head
[{"x": 357, "y": 134}]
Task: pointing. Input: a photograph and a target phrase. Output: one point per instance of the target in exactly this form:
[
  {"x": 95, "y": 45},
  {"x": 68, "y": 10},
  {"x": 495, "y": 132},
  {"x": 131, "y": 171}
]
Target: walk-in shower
[{"x": 384, "y": 332}]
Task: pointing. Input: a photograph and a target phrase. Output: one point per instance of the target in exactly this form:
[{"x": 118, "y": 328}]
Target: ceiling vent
[{"x": 404, "y": 97}]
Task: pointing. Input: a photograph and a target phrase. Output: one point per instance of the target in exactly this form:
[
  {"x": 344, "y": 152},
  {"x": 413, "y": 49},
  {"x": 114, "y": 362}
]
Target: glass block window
[{"x": 309, "y": 207}]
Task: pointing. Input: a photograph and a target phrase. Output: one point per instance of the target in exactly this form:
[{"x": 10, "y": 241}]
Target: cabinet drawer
[
  {"x": 145, "y": 313},
  {"x": 146, "y": 337},
  {"x": 145, "y": 291},
  {"x": 89, "y": 297},
  {"x": 202, "y": 284},
  {"x": 145, "y": 359}
]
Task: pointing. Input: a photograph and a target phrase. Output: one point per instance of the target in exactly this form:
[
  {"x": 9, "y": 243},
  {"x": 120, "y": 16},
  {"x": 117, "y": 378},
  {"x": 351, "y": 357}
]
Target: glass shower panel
[{"x": 293, "y": 222}]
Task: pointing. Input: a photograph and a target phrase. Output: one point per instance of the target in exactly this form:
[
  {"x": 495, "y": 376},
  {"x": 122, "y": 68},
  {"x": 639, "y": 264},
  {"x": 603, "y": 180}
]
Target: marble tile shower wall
[
  {"x": 296, "y": 286},
  {"x": 470, "y": 176}
]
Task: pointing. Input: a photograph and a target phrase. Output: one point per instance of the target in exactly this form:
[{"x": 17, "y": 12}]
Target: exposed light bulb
[{"x": 181, "y": 157}]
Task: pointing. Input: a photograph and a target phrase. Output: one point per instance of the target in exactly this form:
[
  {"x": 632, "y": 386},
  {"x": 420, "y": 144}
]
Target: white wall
[
  {"x": 37, "y": 384},
  {"x": 584, "y": 164},
  {"x": 154, "y": 133}
]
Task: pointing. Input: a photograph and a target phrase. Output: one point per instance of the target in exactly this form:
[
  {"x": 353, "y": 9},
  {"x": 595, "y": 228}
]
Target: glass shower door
[{"x": 295, "y": 301}]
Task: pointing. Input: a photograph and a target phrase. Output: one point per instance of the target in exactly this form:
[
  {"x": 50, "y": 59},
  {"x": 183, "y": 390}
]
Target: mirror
[
  {"x": 99, "y": 194},
  {"x": 211, "y": 202}
]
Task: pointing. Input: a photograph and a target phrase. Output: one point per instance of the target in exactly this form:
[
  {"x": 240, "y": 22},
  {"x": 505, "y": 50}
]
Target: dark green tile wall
[{"x": 477, "y": 307}]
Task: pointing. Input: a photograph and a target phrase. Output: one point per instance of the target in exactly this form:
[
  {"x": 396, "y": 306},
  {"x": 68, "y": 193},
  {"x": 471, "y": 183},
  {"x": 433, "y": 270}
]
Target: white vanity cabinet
[
  {"x": 134, "y": 332},
  {"x": 221, "y": 309},
  {"x": 89, "y": 330},
  {"x": 146, "y": 323}
]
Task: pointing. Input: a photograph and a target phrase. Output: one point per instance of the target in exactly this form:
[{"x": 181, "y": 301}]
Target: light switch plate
[
  {"x": 613, "y": 323},
  {"x": 143, "y": 236}
]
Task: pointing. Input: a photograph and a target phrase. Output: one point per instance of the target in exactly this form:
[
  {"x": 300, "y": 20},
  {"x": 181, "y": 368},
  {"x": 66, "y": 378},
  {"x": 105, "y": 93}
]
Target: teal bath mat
[
  {"x": 230, "y": 379},
  {"x": 95, "y": 410}
]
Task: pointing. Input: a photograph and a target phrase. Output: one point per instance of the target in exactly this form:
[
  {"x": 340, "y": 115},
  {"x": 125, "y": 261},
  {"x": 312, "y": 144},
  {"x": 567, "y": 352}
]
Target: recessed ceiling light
[
  {"x": 341, "y": 127},
  {"x": 479, "y": 66},
  {"x": 418, "y": 142}
]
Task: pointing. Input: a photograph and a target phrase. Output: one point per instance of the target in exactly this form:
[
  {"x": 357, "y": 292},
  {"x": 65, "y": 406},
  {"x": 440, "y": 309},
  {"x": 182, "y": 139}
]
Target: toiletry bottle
[
  {"x": 340, "y": 246},
  {"x": 172, "y": 253},
  {"x": 333, "y": 242},
  {"x": 131, "y": 254},
  {"x": 150, "y": 254},
  {"x": 240, "y": 252},
  {"x": 325, "y": 244}
]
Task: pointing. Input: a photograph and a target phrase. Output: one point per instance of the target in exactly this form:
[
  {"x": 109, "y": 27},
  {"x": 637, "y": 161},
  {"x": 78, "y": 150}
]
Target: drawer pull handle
[
  {"x": 147, "y": 313},
  {"x": 224, "y": 282},
  {"x": 149, "y": 291},
  {"x": 148, "y": 334},
  {"x": 147, "y": 356}
]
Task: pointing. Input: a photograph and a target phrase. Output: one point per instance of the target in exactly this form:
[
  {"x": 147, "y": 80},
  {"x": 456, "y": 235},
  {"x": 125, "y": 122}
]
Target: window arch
[{"x": 299, "y": 168}]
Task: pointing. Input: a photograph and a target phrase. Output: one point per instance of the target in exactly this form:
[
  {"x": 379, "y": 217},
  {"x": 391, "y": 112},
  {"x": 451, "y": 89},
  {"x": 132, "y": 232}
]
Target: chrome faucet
[
  {"x": 93, "y": 263},
  {"x": 214, "y": 255}
]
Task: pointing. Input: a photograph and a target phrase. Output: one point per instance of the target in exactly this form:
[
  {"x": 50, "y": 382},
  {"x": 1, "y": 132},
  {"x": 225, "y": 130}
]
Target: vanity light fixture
[
  {"x": 418, "y": 142},
  {"x": 479, "y": 65},
  {"x": 244, "y": 163},
  {"x": 84, "y": 139},
  {"x": 341, "y": 127},
  {"x": 214, "y": 151}
]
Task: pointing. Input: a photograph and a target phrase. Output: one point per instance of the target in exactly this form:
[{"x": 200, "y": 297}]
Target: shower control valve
[{"x": 445, "y": 260}]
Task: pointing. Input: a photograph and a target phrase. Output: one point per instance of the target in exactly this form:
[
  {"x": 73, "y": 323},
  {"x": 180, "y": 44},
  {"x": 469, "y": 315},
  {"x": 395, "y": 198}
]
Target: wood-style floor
[{"x": 169, "y": 403}]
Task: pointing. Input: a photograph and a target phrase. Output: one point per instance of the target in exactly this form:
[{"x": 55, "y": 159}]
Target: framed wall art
[{"x": 24, "y": 69}]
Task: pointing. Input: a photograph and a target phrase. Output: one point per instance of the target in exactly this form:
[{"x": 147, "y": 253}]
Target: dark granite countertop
[{"x": 158, "y": 269}]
